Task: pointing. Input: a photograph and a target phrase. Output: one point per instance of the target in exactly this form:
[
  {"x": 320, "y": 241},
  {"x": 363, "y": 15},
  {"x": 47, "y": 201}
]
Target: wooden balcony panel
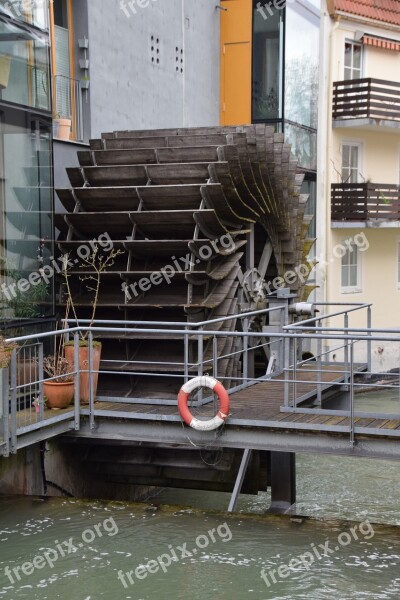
[
  {"x": 366, "y": 98},
  {"x": 365, "y": 201}
]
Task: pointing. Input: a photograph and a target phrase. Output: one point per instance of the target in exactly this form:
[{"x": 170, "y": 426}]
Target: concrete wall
[
  {"x": 379, "y": 285},
  {"x": 65, "y": 475},
  {"x": 380, "y": 154},
  {"x": 130, "y": 91}
]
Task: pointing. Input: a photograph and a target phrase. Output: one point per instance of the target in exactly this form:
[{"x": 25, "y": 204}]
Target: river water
[{"x": 69, "y": 549}]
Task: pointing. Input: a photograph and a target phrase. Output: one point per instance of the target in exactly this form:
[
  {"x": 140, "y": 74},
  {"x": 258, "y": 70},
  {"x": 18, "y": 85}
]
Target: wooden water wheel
[{"x": 221, "y": 206}]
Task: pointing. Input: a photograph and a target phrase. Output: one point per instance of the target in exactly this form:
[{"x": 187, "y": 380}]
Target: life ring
[{"x": 212, "y": 384}]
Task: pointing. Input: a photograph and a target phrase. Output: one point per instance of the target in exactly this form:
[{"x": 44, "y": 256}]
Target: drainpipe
[{"x": 327, "y": 34}]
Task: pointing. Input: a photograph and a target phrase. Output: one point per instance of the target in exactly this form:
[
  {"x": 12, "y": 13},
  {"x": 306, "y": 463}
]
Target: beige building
[{"x": 359, "y": 164}]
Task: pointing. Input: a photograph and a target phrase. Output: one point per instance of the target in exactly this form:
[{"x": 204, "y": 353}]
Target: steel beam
[{"x": 244, "y": 437}]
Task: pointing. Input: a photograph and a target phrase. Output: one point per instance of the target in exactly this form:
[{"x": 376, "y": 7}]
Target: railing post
[
  {"x": 41, "y": 377},
  {"x": 215, "y": 370},
  {"x": 352, "y": 439},
  {"x": 369, "y": 343},
  {"x": 319, "y": 366},
  {"x": 295, "y": 374},
  {"x": 186, "y": 356},
  {"x": 245, "y": 350},
  {"x": 200, "y": 366},
  {"x": 91, "y": 382},
  {"x": 14, "y": 401},
  {"x": 77, "y": 399},
  {"x": 4, "y": 374},
  {"x": 346, "y": 347},
  {"x": 286, "y": 365}
]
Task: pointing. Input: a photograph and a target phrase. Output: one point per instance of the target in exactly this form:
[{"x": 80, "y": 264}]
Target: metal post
[
  {"x": 286, "y": 365},
  {"x": 77, "y": 399},
  {"x": 200, "y": 358},
  {"x": 14, "y": 401},
  {"x": 319, "y": 369},
  {"x": 239, "y": 480},
  {"x": 245, "y": 350},
  {"x": 215, "y": 371},
  {"x": 352, "y": 440},
  {"x": 369, "y": 343},
  {"x": 6, "y": 411},
  {"x": 295, "y": 374},
  {"x": 41, "y": 377},
  {"x": 186, "y": 356},
  {"x": 91, "y": 383},
  {"x": 346, "y": 347}
]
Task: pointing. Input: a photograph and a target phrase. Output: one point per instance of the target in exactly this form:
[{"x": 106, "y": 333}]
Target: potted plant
[
  {"x": 59, "y": 390},
  {"x": 95, "y": 265},
  {"x": 63, "y": 125}
]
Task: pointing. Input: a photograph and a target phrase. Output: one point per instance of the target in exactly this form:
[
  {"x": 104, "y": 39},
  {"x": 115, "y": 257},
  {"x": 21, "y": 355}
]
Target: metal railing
[
  {"x": 68, "y": 104},
  {"x": 25, "y": 420}
]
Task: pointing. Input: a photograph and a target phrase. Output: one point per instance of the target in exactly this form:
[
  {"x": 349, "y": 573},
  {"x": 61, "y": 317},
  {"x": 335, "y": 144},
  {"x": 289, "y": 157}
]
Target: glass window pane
[
  {"x": 357, "y": 56},
  {"x": 301, "y": 66},
  {"x": 26, "y": 216},
  {"x": 33, "y": 12},
  {"x": 354, "y": 157},
  {"x": 353, "y": 276},
  {"x": 267, "y": 64},
  {"x": 304, "y": 145},
  {"x": 348, "y": 55},
  {"x": 24, "y": 67}
]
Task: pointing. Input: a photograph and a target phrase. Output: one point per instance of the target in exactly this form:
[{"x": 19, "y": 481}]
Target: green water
[{"x": 68, "y": 549}]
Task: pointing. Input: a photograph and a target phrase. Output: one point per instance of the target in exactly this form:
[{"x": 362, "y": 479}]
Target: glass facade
[
  {"x": 267, "y": 92},
  {"x": 285, "y": 74},
  {"x": 26, "y": 173},
  {"x": 33, "y": 12}
]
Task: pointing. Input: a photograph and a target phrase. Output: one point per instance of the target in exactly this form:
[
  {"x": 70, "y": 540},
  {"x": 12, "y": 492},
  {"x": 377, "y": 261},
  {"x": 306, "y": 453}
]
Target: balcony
[
  {"x": 68, "y": 105},
  {"x": 366, "y": 103},
  {"x": 362, "y": 202}
]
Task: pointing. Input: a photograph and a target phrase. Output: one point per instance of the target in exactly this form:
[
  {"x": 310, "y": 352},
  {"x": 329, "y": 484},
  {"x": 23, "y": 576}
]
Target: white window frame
[
  {"x": 351, "y": 289},
  {"x": 360, "y": 45},
  {"x": 360, "y": 146}
]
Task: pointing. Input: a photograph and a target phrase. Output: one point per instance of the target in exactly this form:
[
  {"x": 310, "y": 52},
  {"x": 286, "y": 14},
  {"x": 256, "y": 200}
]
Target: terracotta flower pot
[
  {"x": 84, "y": 368},
  {"x": 64, "y": 129},
  {"x": 59, "y": 395}
]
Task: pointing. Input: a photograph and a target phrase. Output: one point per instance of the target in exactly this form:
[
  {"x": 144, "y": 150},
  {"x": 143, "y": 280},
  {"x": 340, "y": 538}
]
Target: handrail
[{"x": 329, "y": 316}]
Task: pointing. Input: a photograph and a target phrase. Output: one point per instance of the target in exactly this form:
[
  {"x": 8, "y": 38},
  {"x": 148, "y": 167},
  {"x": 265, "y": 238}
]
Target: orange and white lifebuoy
[{"x": 212, "y": 384}]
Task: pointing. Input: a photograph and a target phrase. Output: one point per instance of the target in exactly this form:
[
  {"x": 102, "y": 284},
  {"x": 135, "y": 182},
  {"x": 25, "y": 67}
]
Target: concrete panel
[{"x": 129, "y": 88}]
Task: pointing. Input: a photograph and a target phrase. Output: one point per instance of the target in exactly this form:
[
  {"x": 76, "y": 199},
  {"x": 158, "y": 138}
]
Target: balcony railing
[
  {"x": 365, "y": 201},
  {"x": 68, "y": 103},
  {"x": 366, "y": 98}
]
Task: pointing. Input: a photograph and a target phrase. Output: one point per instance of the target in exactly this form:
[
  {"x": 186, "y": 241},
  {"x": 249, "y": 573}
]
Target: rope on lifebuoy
[{"x": 215, "y": 386}]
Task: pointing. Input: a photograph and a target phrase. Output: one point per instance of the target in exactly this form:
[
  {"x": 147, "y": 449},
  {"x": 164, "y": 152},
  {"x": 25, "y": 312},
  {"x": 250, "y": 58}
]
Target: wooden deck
[{"x": 260, "y": 405}]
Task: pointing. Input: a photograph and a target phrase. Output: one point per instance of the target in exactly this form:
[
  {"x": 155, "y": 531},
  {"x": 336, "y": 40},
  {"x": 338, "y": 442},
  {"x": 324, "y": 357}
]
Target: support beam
[
  {"x": 239, "y": 480},
  {"x": 283, "y": 481}
]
